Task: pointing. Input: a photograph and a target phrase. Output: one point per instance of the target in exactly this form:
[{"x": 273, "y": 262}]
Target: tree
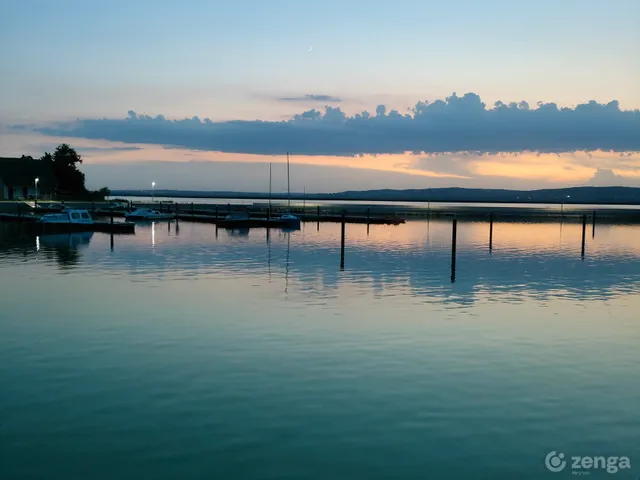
[{"x": 65, "y": 160}]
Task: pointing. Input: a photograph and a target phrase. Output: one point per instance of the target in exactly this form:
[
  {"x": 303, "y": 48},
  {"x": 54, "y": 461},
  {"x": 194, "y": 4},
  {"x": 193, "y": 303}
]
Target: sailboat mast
[
  {"x": 269, "y": 187},
  {"x": 288, "y": 184}
]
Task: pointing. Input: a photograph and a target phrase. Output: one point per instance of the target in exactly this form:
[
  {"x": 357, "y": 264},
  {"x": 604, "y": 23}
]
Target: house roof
[{"x": 22, "y": 172}]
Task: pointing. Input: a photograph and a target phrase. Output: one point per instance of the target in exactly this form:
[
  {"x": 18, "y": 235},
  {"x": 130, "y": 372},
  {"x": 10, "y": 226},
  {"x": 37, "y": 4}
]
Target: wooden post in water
[
  {"x": 454, "y": 236},
  {"x": 491, "y": 231},
  {"x": 584, "y": 231},
  {"x": 111, "y": 217},
  {"x": 342, "y": 235},
  {"x": 228, "y": 208},
  {"x": 593, "y": 225},
  {"x": 191, "y": 208},
  {"x": 93, "y": 207}
]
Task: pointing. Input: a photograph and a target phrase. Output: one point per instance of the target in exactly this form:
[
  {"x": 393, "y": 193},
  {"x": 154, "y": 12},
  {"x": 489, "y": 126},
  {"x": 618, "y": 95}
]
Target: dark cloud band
[{"x": 457, "y": 124}]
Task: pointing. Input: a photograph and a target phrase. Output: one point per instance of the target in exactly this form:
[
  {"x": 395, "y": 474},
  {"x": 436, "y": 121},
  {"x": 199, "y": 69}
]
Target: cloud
[
  {"x": 311, "y": 98},
  {"x": 107, "y": 149},
  {"x": 457, "y": 124},
  {"x": 605, "y": 177}
]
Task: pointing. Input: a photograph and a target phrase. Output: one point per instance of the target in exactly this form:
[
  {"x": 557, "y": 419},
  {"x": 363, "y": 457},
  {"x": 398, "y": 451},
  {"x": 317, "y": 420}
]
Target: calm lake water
[{"x": 182, "y": 353}]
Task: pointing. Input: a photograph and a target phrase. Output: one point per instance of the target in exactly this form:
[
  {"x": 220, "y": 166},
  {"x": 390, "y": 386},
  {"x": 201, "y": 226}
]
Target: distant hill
[{"x": 594, "y": 195}]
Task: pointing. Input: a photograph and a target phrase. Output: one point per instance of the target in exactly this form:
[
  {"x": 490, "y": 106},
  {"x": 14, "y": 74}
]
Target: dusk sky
[{"x": 204, "y": 94}]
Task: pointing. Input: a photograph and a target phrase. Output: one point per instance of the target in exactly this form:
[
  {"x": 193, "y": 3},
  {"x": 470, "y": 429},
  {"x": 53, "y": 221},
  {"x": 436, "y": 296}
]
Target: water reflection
[
  {"x": 65, "y": 248},
  {"x": 496, "y": 262}
]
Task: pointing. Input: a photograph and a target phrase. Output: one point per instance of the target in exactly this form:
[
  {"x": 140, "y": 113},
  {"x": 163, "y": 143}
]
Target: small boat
[
  {"x": 68, "y": 216},
  {"x": 288, "y": 219},
  {"x": 77, "y": 220},
  {"x": 239, "y": 220},
  {"x": 148, "y": 214}
]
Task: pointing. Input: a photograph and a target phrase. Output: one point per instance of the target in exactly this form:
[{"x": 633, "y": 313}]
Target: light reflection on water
[{"x": 190, "y": 352}]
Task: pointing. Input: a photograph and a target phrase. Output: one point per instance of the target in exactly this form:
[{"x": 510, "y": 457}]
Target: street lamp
[
  {"x": 153, "y": 186},
  {"x": 36, "y": 183}
]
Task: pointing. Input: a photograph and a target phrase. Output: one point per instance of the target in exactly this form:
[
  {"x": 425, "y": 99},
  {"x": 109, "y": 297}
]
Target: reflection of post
[
  {"x": 593, "y": 226},
  {"x": 342, "y": 235},
  {"x": 112, "y": 242},
  {"x": 584, "y": 230},
  {"x": 491, "y": 231},
  {"x": 453, "y": 250},
  {"x": 177, "y": 226}
]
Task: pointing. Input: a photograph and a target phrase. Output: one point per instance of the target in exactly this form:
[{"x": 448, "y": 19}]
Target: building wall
[{"x": 18, "y": 192}]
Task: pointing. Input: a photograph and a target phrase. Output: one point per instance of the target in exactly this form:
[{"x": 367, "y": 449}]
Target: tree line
[{"x": 70, "y": 180}]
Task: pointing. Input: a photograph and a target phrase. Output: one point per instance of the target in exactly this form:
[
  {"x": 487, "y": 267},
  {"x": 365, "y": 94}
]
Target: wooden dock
[{"x": 31, "y": 222}]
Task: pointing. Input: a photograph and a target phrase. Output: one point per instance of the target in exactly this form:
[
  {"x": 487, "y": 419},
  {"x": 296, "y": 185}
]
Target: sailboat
[{"x": 288, "y": 218}]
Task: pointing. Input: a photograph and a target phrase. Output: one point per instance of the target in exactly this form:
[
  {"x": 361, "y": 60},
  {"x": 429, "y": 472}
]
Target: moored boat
[
  {"x": 148, "y": 214},
  {"x": 77, "y": 220}
]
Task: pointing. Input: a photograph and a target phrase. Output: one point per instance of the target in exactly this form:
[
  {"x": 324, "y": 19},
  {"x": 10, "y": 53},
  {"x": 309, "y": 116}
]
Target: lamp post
[
  {"x": 36, "y": 184},
  {"x": 153, "y": 187}
]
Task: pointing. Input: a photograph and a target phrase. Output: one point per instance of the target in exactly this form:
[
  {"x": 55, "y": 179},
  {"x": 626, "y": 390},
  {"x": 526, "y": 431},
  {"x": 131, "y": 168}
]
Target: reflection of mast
[
  {"x": 286, "y": 268},
  {"x": 269, "y": 254}
]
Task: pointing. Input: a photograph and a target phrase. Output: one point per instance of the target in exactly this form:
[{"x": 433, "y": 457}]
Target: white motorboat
[
  {"x": 68, "y": 216},
  {"x": 148, "y": 214}
]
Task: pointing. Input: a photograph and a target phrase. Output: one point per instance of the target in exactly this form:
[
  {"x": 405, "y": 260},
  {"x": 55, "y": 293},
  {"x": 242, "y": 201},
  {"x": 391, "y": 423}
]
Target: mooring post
[
  {"x": 191, "y": 208},
  {"x": 342, "y": 235},
  {"x": 584, "y": 230},
  {"x": 491, "y": 231},
  {"x": 93, "y": 207},
  {"x": 228, "y": 208},
  {"x": 593, "y": 225},
  {"x": 454, "y": 236},
  {"x": 111, "y": 217}
]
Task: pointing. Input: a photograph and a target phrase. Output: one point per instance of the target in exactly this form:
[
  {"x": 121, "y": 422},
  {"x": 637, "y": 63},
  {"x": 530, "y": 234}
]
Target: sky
[{"x": 377, "y": 94}]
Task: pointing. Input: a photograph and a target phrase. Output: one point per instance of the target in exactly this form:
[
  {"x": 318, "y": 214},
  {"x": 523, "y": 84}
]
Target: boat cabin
[{"x": 69, "y": 215}]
